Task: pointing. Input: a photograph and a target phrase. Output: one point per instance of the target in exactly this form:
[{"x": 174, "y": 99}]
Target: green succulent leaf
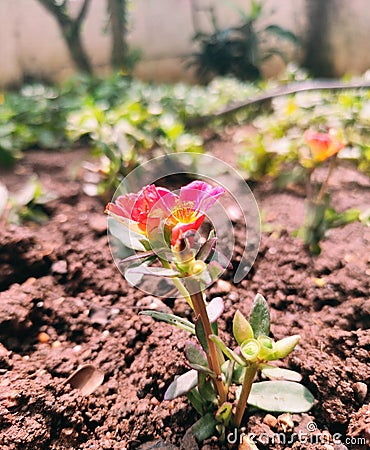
[
  {"x": 182, "y": 385},
  {"x": 201, "y": 335},
  {"x": 283, "y": 347},
  {"x": 138, "y": 256},
  {"x": 238, "y": 374},
  {"x": 281, "y": 396},
  {"x": 223, "y": 413},
  {"x": 206, "y": 389},
  {"x": 226, "y": 350},
  {"x": 277, "y": 373},
  {"x": 196, "y": 400},
  {"x": 260, "y": 317},
  {"x": 177, "y": 321},
  {"x": 195, "y": 355},
  {"x": 335, "y": 219},
  {"x": 206, "y": 249},
  {"x": 202, "y": 369},
  {"x": 153, "y": 271},
  {"x": 215, "y": 309},
  {"x": 242, "y": 329},
  {"x": 204, "y": 427},
  {"x": 128, "y": 237}
]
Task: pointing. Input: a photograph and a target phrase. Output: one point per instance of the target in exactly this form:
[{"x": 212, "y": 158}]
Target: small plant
[
  {"x": 163, "y": 229},
  {"x": 237, "y": 50},
  {"x": 272, "y": 150},
  {"x": 27, "y": 205},
  {"x": 320, "y": 215}
]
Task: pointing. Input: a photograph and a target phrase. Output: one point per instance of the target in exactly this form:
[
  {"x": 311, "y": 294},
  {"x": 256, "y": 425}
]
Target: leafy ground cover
[{"x": 100, "y": 111}]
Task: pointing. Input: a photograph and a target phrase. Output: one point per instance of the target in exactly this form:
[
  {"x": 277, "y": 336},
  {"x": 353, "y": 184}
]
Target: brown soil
[{"x": 59, "y": 278}]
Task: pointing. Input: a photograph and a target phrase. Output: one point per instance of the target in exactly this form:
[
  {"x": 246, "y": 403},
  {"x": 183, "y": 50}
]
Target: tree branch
[
  {"x": 83, "y": 12},
  {"x": 58, "y": 11}
]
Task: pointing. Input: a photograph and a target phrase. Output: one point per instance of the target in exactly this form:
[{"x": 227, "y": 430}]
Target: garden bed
[{"x": 59, "y": 279}]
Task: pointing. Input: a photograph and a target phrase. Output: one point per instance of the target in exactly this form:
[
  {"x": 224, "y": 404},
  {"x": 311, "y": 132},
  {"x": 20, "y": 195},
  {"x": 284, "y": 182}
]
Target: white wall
[{"x": 31, "y": 43}]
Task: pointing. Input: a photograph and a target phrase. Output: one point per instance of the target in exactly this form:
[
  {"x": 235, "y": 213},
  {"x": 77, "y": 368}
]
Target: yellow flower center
[{"x": 185, "y": 213}]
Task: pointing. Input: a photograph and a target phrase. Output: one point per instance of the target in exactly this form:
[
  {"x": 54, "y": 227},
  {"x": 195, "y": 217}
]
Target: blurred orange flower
[{"x": 322, "y": 145}]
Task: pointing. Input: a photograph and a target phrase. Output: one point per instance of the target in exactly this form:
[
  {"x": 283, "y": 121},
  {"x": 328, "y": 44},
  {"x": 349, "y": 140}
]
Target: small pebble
[
  {"x": 98, "y": 223},
  {"x": 360, "y": 390},
  {"x": 67, "y": 431},
  {"x": 56, "y": 344},
  {"x": 223, "y": 286},
  {"x": 60, "y": 267},
  {"x": 270, "y": 420},
  {"x": 247, "y": 444},
  {"x": 285, "y": 423},
  {"x": 43, "y": 338}
]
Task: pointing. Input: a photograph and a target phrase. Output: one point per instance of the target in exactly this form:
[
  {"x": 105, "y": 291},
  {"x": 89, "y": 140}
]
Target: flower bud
[
  {"x": 284, "y": 347},
  {"x": 250, "y": 349},
  {"x": 183, "y": 254},
  {"x": 267, "y": 346},
  {"x": 196, "y": 267}
]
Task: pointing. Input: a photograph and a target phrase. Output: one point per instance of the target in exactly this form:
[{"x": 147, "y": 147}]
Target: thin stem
[
  {"x": 309, "y": 190},
  {"x": 325, "y": 184},
  {"x": 177, "y": 282},
  {"x": 213, "y": 362},
  {"x": 250, "y": 373}
]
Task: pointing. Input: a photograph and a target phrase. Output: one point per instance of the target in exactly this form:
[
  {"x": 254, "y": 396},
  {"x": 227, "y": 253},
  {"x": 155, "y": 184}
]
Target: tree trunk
[
  {"x": 71, "y": 31},
  {"x": 117, "y": 16},
  {"x": 318, "y": 58},
  {"x": 73, "y": 39}
]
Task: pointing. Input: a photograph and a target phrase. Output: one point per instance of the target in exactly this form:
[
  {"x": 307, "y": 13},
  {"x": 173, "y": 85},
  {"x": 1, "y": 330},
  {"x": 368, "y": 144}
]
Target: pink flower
[
  {"x": 154, "y": 207},
  {"x": 134, "y": 209},
  {"x": 189, "y": 210},
  {"x": 322, "y": 145}
]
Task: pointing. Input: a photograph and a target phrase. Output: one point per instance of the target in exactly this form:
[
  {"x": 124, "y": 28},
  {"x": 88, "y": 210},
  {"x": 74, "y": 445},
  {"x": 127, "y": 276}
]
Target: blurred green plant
[
  {"x": 240, "y": 50},
  {"x": 122, "y": 119},
  {"x": 34, "y": 117},
  {"x": 27, "y": 205},
  {"x": 320, "y": 215},
  {"x": 126, "y": 121},
  {"x": 273, "y": 150}
]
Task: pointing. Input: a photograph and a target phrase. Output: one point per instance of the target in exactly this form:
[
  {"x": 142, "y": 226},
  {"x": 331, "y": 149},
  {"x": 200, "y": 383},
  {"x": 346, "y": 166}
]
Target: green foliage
[
  {"x": 283, "y": 393},
  {"x": 33, "y": 117},
  {"x": 321, "y": 217},
  {"x": 276, "y": 148},
  {"x": 179, "y": 322},
  {"x": 281, "y": 396},
  {"x": 260, "y": 317},
  {"x": 27, "y": 205},
  {"x": 123, "y": 120}
]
